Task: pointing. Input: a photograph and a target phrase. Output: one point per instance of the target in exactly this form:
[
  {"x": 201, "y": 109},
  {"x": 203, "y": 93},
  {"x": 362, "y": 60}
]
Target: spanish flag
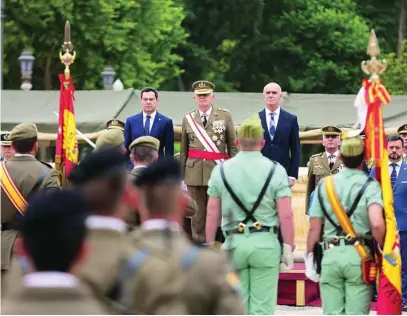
[
  {"x": 66, "y": 155},
  {"x": 389, "y": 261}
]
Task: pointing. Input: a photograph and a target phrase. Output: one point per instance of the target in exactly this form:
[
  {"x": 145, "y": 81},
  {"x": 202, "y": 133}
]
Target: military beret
[
  {"x": 402, "y": 129},
  {"x": 23, "y": 131},
  {"x": 115, "y": 124},
  {"x": 147, "y": 141},
  {"x": 251, "y": 128},
  {"x": 203, "y": 87},
  {"x": 109, "y": 138},
  {"x": 331, "y": 130},
  {"x": 5, "y": 139},
  {"x": 98, "y": 165},
  {"x": 161, "y": 171},
  {"x": 352, "y": 147}
]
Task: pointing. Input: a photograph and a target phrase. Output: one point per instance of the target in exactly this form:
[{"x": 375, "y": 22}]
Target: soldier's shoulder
[
  {"x": 46, "y": 164},
  {"x": 223, "y": 110},
  {"x": 189, "y": 112},
  {"x": 319, "y": 155}
]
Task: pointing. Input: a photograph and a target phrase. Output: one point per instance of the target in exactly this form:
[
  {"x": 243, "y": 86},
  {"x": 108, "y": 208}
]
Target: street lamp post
[
  {"x": 26, "y": 65},
  {"x": 108, "y": 77}
]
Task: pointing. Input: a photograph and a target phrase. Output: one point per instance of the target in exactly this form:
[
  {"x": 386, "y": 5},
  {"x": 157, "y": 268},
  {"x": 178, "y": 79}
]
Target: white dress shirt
[
  {"x": 207, "y": 113},
  {"x": 398, "y": 167},
  {"x": 335, "y": 154},
  {"x": 151, "y": 224},
  {"x": 105, "y": 222},
  {"x": 152, "y": 117},
  {"x": 50, "y": 279},
  {"x": 276, "y": 117},
  {"x": 23, "y": 155}
]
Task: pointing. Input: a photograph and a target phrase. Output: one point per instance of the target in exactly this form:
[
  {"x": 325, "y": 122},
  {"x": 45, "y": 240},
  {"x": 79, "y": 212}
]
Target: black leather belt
[
  {"x": 351, "y": 242},
  {"x": 254, "y": 230}
]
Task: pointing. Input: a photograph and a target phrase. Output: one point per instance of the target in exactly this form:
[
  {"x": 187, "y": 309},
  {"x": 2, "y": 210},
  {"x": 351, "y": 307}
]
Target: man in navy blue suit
[
  {"x": 398, "y": 178},
  {"x": 150, "y": 123},
  {"x": 281, "y": 132}
]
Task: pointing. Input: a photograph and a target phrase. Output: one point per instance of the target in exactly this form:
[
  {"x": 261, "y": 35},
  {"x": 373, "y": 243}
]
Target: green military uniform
[
  {"x": 197, "y": 171},
  {"x": 318, "y": 166},
  {"x": 29, "y": 176},
  {"x": 342, "y": 288},
  {"x": 256, "y": 254},
  {"x": 402, "y": 131},
  {"x": 168, "y": 274}
]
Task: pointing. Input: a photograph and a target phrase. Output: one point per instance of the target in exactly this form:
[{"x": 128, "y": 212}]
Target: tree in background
[
  {"x": 136, "y": 38},
  {"x": 395, "y": 77}
]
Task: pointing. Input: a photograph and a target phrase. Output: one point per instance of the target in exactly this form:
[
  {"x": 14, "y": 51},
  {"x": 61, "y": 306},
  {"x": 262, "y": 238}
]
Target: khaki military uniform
[
  {"x": 198, "y": 171},
  {"x": 197, "y": 283},
  {"x": 77, "y": 300},
  {"x": 318, "y": 168},
  {"x": 25, "y": 171}
]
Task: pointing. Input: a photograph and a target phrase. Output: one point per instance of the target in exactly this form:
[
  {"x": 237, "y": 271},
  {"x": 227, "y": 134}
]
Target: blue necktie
[
  {"x": 393, "y": 176},
  {"x": 147, "y": 125},
  {"x": 272, "y": 126}
]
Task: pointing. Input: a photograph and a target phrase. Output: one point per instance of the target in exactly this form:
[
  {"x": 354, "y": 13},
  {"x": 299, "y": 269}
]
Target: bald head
[{"x": 272, "y": 95}]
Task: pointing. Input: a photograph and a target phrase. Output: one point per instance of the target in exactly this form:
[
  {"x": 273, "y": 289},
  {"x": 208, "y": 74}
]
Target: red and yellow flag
[
  {"x": 389, "y": 278},
  {"x": 67, "y": 145}
]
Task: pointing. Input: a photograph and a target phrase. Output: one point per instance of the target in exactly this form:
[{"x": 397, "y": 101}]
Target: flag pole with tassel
[{"x": 66, "y": 154}]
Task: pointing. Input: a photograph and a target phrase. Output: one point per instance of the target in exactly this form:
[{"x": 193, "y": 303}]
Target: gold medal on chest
[
  {"x": 218, "y": 126},
  {"x": 214, "y": 138}
]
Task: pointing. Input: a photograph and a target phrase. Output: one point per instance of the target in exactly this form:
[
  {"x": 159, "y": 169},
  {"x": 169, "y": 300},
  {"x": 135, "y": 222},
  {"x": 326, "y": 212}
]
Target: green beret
[
  {"x": 115, "y": 124},
  {"x": 23, "y": 131},
  {"x": 146, "y": 141},
  {"x": 352, "y": 147},
  {"x": 402, "y": 129},
  {"x": 331, "y": 130},
  {"x": 251, "y": 128},
  {"x": 203, "y": 87},
  {"x": 109, "y": 138},
  {"x": 5, "y": 139}
]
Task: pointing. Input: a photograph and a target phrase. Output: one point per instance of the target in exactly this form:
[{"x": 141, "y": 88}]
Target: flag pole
[{"x": 67, "y": 57}]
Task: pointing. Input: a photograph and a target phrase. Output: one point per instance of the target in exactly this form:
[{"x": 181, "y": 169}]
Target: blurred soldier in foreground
[
  {"x": 53, "y": 235},
  {"x": 325, "y": 163},
  {"x": 350, "y": 205},
  {"x": 208, "y": 138},
  {"x": 6, "y": 150},
  {"x": 110, "y": 138},
  {"x": 21, "y": 176},
  {"x": 168, "y": 274},
  {"x": 253, "y": 195},
  {"x": 102, "y": 178}
]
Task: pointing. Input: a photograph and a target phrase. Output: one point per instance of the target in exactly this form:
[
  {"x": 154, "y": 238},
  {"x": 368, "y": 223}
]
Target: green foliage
[
  {"x": 136, "y": 38},
  {"x": 395, "y": 77}
]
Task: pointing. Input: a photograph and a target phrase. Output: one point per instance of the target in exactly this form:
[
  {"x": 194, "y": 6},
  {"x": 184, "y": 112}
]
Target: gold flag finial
[
  {"x": 373, "y": 67},
  {"x": 67, "y": 58}
]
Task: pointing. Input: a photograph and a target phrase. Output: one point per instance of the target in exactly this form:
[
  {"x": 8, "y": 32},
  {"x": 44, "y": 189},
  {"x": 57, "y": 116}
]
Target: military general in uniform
[
  {"x": 325, "y": 163},
  {"x": 208, "y": 139},
  {"x": 351, "y": 207},
  {"x": 6, "y": 151},
  {"x": 402, "y": 131},
  {"x": 21, "y": 176}
]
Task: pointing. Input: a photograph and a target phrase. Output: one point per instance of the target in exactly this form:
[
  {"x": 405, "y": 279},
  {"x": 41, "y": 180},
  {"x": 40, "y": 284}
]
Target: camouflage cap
[
  {"x": 5, "y": 139},
  {"x": 331, "y": 130},
  {"x": 251, "y": 128},
  {"x": 115, "y": 124},
  {"x": 146, "y": 141},
  {"x": 23, "y": 131},
  {"x": 402, "y": 129},
  {"x": 203, "y": 87},
  {"x": 352, "y": 147},
  {"x": 109, "y": 138}
]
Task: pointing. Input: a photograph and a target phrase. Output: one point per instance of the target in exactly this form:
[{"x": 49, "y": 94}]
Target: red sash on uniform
[
  {"x": 14, "y": 195},
  {"x": 203, "y": 154}
]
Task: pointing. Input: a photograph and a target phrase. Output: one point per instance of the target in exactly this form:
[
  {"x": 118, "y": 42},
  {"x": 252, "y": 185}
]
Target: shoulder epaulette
[
  {"x": 224, "y": 110},
  {"x": 46, "y": 164},
  {"x": 316, "y": 155},
  {"x": 190, "y": 112}
]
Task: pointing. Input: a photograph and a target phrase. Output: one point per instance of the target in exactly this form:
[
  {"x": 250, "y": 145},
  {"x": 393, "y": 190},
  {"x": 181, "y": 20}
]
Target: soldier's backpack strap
[{"x": 249, "y": 214}]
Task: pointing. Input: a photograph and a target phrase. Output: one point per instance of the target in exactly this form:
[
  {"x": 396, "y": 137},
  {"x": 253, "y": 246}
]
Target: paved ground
[{"x": 296, "y": 310}]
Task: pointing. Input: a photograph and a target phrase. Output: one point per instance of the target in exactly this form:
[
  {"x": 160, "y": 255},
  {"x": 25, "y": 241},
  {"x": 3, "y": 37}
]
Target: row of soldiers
[{"x": 70, "y": 250}]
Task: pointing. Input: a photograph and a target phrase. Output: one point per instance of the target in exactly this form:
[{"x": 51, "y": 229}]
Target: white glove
[
  {"x": 310, "y": 270},
  {"x": 287, "y": 259}
]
